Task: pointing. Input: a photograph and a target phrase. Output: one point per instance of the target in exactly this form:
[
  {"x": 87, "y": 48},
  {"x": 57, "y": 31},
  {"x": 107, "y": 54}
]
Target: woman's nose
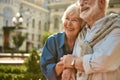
[{"x": 69, "y": 22}]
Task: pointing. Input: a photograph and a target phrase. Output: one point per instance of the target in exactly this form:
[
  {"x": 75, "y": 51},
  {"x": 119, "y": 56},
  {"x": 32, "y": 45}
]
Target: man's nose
[{"x": 82, "y": 3}]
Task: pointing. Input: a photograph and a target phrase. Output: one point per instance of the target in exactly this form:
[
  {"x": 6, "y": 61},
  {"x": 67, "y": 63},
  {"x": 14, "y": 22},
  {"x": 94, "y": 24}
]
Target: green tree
[
  {"x": 18, "y": 40},
  {"x": 45, "y": 35},
  {"x": 33, "y": 66}
]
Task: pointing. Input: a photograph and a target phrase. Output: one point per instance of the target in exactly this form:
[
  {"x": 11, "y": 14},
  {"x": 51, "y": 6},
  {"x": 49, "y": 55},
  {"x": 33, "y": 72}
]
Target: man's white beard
[{"x": 91, "y": 13}]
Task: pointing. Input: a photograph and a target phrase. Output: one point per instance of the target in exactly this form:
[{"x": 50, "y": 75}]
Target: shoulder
[
  {"x": 117, "y": 21},
  {"x": 55, "y": 40},
  {"x": 56, "y": 36},
  {"x": 114, "y": 19},
  {"x": 115, "y": 26}
]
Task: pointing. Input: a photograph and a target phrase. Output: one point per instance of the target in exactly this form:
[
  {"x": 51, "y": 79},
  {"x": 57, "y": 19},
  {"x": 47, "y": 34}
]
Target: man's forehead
[
  {"x": 82, "y": 0},
  {"x": 86, "y": 0}
]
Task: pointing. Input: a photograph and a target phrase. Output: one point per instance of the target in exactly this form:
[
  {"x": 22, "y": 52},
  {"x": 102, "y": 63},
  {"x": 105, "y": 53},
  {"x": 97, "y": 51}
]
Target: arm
[
  {"x": 68, "y": 74},
  {"x": 48, "y": 59},
  {"x": 106, "y": 56},
  {"x": 68, "y": 59}
]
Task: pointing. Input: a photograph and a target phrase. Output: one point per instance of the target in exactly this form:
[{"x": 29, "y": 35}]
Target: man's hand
[
  {"x": 67, "y": 60},
  {"x": 68, "y": 74}
]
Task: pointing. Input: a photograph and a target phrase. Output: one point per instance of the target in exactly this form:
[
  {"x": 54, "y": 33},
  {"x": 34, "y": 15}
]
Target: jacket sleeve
[
  {"x": 48, "y": 59},
  {"x": 106, "y": 54}
]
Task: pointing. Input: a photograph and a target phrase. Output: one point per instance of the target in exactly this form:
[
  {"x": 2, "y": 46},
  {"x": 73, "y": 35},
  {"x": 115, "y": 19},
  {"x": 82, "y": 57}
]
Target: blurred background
[{"x": 24, "y": 27}]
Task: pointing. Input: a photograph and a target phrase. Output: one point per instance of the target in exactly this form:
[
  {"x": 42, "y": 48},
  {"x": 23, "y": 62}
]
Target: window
[
  {"x": 56, "y": 0},
  {"x": 56, "y": 23},
  {"x": 39, "y": 25},
  {"x": 33, "y": 23},
  {"x": 27, "y": 24},
  {"x": 39, "y": 37},
  {"x": 46, "y": 27},
  {"x": 32, "y": 36}
]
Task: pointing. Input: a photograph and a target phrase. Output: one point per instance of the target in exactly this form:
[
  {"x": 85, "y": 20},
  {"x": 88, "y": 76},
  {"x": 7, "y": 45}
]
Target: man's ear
[{"x": 101, "y": 4}]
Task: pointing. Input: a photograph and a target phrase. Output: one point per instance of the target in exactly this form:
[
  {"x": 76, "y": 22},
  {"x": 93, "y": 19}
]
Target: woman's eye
[
  {"x": 74, "y": 20},
  {"x": 66, "y": 18}
]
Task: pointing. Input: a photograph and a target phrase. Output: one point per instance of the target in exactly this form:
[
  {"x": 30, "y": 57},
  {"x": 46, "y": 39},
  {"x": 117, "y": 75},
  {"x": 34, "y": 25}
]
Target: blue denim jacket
[{"x": 53, "y": 50}]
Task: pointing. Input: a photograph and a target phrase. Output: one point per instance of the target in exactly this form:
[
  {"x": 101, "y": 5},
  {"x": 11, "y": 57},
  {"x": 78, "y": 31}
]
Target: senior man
[{"x": 97, "y": 56}]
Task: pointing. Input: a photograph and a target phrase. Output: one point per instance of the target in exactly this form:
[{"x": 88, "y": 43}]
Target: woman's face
[{"x": 72, "y": 24}]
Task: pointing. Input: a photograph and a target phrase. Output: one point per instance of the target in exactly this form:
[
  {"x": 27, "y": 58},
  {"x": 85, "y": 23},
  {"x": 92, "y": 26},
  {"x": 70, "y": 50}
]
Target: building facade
[{"x": 38, "y": 16}]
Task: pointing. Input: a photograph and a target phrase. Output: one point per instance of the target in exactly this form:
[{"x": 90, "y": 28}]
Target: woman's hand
[{"x": 59, "y": 68}]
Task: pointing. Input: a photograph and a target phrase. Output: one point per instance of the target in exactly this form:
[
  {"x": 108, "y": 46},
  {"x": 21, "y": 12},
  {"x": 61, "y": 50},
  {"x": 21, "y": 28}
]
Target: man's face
[{"x": 89, "y": 9}]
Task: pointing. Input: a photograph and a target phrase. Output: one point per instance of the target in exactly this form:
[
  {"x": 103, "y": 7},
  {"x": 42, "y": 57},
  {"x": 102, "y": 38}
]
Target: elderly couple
[{"x": 89, "y": 47}]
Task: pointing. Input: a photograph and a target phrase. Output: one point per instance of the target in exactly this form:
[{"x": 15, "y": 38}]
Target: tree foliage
[
  {"x": 33, "y": 66},
  {"x": 45, "y": 35},
  {"x": 18, "y": 40}
]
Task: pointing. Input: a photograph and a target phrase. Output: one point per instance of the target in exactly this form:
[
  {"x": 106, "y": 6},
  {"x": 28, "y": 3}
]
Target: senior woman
[{"x": 61, "y": 44}]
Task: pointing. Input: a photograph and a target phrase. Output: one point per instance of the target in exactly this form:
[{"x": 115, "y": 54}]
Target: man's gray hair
[{"x": 107, "y": 4}]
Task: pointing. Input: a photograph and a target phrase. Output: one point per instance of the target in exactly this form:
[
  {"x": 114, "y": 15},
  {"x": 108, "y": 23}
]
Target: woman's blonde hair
[{"x": 73, "y": 8}]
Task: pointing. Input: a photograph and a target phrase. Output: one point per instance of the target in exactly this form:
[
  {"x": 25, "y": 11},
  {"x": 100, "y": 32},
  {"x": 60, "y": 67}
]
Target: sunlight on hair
[{"x": 107, "y": 3}]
